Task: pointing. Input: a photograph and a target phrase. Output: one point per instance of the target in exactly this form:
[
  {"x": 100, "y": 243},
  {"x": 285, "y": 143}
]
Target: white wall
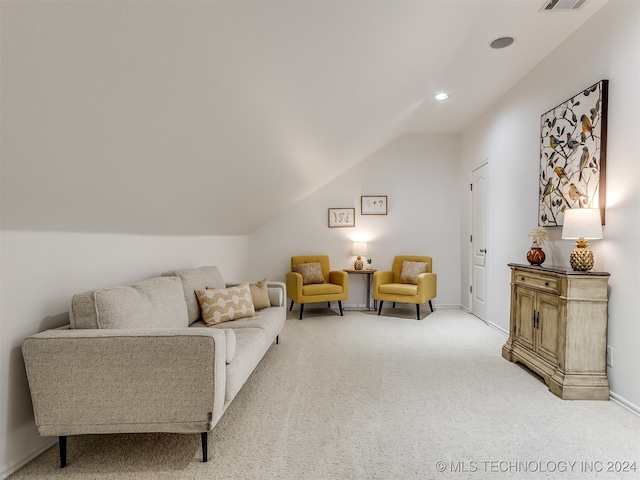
[
  {"x": 606, "y": 47},
  {"x": 40, "y": 272},
  {"x": 419, "y": 174}
]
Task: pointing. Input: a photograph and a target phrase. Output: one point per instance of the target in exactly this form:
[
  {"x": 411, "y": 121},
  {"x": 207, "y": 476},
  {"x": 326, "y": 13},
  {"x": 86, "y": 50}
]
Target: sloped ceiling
[{"x": 203, "y": 117}]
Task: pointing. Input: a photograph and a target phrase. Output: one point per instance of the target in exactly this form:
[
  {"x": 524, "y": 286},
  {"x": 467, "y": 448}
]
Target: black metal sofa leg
[
  {"x": 340, "y": 307},
  {"x": 418, "y": 311},
  {"x": 62, "y": 443},
  {"x": 430, "y": 305},
  {"x": 380, "y": 307},
  {"x": 301, "y": 310},
  {"x": 204, "y": 436}
]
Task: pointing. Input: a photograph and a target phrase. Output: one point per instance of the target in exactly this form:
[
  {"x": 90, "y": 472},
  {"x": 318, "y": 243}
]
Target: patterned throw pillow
[
  {"x": 260, "y": 294},
  {"x": 224, "y": 304},
  {"x": 311, "y": 272},
  {"x": 411, "y": 270}
]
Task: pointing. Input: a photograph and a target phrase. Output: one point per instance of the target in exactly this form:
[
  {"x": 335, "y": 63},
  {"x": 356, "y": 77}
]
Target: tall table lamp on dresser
[{"x": 582, "y": 224}]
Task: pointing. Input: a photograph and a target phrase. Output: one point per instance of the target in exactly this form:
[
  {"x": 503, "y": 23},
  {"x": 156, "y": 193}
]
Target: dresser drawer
[{"x": 537, "y": 281}]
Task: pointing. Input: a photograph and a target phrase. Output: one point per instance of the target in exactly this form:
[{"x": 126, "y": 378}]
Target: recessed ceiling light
[
  {"x": 442, "y": 96},
  {"x": 501, "y": 42}
]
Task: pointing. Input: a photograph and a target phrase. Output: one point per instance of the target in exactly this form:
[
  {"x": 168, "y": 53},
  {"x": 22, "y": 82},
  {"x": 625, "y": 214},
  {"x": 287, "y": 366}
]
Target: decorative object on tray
[
  {"x": 536, "y": 256},
  {"x": 359, "y": 249},
  {"x": 373, "y": 205},
  {"x": 369, "y": 266},
  {"x": 573, "y": 140},
  {"x": 582, "y": 224},
  {"x": 342, "y": 217}
]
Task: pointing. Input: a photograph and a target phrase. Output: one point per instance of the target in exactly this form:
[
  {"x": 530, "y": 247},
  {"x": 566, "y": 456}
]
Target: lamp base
[
  {"x": 581, "y": 259},
  {"x": 358, "y": 264}
]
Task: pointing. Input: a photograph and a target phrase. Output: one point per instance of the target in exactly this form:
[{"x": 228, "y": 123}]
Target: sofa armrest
[
  {"x": 427, "y": 286},
  {"x": 294, "y": 285},
  {"x": 277, "y": 293},
  {"x": 381, "y": 277},
  {"x": 339, "y": 277},
  {"x": 108, "y": 381}
]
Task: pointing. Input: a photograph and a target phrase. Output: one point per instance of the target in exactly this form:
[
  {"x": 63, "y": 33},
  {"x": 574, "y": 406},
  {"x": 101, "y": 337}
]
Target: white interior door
[{"x": 479, "y": 226}]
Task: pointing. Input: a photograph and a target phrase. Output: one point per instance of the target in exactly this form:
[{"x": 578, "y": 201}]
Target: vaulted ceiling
[{"x": 209, "y": 117}]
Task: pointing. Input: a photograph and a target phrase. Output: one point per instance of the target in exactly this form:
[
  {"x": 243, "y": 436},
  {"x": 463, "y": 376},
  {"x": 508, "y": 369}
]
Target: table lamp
[
  {"x": 582, "y": 224},
  {"x": 359, "y": 249}
]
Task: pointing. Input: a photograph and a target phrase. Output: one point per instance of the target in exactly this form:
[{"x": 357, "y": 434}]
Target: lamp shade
[
  {"x": 582, "y": 223},
  {"x": 359, "y": 248}
]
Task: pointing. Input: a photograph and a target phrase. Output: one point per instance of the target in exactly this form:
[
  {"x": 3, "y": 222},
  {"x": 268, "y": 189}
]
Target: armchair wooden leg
[
  {"x": 204, "y": 436},
  {"x": 291, "y": 306},
  {"x": 301, "y": 310},
  {"x": 418, "y": 311},
  {"x": 431, "y": 305},
  {"x": 62, "y": 442},
  {"x": 380, "y": 307},
  {"x": 340, "y": 307}
]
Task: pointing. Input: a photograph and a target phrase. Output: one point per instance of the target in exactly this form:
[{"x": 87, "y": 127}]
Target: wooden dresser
[{"x": 558, "y": 328}]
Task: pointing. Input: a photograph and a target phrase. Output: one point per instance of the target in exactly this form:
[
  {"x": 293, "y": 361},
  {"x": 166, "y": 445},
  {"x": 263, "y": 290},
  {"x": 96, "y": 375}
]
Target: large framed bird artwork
[{"x": 573, "y": 146}]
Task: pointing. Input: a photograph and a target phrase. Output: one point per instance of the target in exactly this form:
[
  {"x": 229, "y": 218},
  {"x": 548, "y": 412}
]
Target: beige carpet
[{"x": 367, "y": 397}]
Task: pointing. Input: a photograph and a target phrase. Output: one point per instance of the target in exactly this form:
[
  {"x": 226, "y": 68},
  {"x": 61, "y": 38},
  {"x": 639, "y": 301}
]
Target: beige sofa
[{"x": 140, "y": 359}]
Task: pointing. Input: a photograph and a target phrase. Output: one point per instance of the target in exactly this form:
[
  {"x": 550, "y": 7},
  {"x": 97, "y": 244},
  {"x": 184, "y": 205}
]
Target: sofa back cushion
[
  {"x": 194, "y": 279},
  {"x": 153, "y": 303}
]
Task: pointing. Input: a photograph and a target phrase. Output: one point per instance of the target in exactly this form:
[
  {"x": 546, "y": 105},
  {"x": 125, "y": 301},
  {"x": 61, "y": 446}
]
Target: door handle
[{"x": 483, "y": 250}]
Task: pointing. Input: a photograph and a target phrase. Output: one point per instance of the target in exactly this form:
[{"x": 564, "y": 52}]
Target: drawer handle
[
  {"x": 522, "y": 279},
  {"x": 546, "y": 284}
]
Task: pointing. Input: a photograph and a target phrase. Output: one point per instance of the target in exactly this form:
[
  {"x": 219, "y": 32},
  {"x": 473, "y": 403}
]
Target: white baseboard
[
  {"x": 625, "y": 403},
  {"x": 405, "y": 306},
  {"x": 11, "y": 469},
  {"x": 498, "y": 328}
]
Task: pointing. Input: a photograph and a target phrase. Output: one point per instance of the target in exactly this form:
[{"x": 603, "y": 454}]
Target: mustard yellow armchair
[
  {"x": 309, "y": 282},
  {"x": 406, "y": 285}
]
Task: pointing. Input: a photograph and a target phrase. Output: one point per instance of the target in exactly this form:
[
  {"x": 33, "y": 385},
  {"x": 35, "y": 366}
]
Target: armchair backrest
[
  {"x": 397, "y": 264},
  {"x": 322, "y": 259}
]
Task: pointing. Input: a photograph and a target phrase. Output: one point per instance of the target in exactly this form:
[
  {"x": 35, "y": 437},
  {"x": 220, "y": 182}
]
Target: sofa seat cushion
[
  {"x": 153, "y": 303},
  {"x": 271, "y": 320},
  {"x": 230, "y": 337},
  {"x": 251, "y": 343},
  {"x": 194, "y": 279},
  {"x": 321, "y": 289},
  {"x": 399, "y": 289}
]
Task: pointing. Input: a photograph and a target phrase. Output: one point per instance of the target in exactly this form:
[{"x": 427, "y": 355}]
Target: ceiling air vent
[{"x": 562, "y": 5}]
